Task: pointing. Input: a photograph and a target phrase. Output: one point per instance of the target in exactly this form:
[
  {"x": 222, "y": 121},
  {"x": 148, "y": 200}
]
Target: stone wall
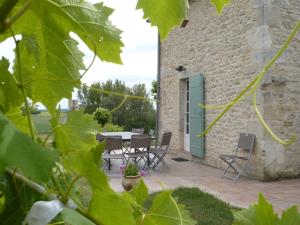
[
  {"x": 281, "y": 89},
  {"x": 226, "y": 51}
]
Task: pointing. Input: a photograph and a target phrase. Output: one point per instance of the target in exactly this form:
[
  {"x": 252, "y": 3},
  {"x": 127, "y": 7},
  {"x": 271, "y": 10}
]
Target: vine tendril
[{"x": 254, "y": 84}]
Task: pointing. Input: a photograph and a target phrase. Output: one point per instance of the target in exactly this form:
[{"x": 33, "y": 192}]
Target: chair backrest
[
  {"x": 246, "y": 142},
  {"x": 140, "y": 141},
  {"x": 138, "y": 130},
  {"x": 113, "y": 143},
  {"x": 100, "y": 137},
  {"x": 151, "y": 133},
  {"x": 165, "y": 140}
]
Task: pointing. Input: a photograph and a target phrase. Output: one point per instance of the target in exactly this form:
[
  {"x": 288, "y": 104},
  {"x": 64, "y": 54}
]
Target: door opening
[{"x": 186, "y": 116}]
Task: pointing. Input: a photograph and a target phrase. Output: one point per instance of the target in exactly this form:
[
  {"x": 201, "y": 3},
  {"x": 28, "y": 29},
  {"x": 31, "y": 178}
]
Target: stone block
[{"x": 259, "y": 37}]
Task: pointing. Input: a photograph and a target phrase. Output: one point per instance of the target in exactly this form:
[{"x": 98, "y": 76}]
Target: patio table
[{"x": 126, "y": 135}]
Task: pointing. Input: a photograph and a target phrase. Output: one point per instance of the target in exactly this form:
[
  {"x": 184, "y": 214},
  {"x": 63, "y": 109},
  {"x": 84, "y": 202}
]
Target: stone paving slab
[{"x": 281, "y": 194}]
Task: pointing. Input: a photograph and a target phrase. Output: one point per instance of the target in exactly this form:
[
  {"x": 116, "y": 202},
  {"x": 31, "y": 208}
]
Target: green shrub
[
  {"x": 109, "y": 127},
  {"x": 102, "y": 116},
  {"x": 131, "y": 170}
]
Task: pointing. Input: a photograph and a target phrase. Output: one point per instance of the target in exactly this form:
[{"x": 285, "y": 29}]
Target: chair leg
[
  {"x": 225, "y": 171},
  {"x": 230, "y": 165},
  {"x": 160, "y": 159},
  {"x": 163, "y": 162}
]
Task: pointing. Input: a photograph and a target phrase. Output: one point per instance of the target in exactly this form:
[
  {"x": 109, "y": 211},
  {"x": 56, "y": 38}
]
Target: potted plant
[{"x": 131, "y": 176}]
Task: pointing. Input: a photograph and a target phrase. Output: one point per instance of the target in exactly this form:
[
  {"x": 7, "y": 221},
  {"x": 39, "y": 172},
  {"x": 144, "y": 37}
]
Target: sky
[{"x": 139, "y": 55}]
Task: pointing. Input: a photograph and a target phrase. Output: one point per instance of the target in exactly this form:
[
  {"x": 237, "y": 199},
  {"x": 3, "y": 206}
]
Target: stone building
[{"x": 229, "y": 50}]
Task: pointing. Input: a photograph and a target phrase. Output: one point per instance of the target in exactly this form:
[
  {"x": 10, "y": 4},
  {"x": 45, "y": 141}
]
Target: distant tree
[
  {"x": 139, "y": 113},
  {"x": 134, "y": 113},
  {"x": 82, "y": 96},
  {"x": 154, "y": 89}
]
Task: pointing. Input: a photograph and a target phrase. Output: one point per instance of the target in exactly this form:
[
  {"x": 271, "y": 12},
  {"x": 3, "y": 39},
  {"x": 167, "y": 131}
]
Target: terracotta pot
[{"x": 128, "y": 182}]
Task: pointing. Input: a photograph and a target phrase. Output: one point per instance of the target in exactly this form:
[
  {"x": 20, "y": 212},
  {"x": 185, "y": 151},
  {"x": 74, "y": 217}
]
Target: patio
[{"x": 281, "y": 194}]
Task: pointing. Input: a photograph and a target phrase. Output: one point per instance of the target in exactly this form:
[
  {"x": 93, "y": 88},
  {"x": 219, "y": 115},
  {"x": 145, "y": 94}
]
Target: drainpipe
[{"x": 158, "y": 89}]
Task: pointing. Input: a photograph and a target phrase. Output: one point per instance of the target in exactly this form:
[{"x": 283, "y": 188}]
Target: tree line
[{"x": 134, "y": 113}]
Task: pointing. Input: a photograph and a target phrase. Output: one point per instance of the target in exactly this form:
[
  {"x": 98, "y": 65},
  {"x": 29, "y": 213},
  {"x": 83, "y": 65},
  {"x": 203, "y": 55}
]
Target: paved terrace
[{"x": 281, "y": 194}]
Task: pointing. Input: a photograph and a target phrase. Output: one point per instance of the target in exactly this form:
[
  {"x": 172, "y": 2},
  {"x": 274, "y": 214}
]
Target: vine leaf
[
  {"x": 18, "y": 150},
  {"x": 18, "y": 119},
  {"x": 70, "y": 216},
  {"x": 77, "y": 134},
  {"x": 53, "y": 60},
  {"x": 106, "y": 206},
  {"x": 220, "y": 4},
  {"x": 51, "y": 77},
  {"x": 140, "y": 192},
  {"x": 245, "y": 216},
  {"x": 18, "y": 200},
  {"x": 10, "y": 95},
  {"x": 165, "y": 211},
  {"x": 263, "y": 213},
  {"x": 164, "y": 14},
  {"x": 290, "y": 216}
]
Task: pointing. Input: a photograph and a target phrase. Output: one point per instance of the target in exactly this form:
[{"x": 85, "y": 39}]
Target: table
[{"x": 126, "y": 135}]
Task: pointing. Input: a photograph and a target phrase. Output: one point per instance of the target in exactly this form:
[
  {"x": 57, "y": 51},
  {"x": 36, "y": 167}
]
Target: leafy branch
[{"x": 40, "y": 189}]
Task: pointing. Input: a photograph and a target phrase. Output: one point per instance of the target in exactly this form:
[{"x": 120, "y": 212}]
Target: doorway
[{"x": 186, "y": 102}]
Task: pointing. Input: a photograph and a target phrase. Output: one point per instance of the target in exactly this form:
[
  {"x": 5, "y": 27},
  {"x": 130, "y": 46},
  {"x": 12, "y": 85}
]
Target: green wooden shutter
[{"x": 196, "y": 115}]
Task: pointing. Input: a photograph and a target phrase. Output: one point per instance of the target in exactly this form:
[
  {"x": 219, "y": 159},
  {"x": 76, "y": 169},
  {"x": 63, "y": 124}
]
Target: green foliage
[
  {"x": 220, "y": 4},
  {"x": 42, "y": 122},
  {"x": 165, "y": 211},
  {"x": 10, "y": 95},
  {"x": 133, "y": 113},
  {"x": 18, "y": 200},
  {"x": 77, "y": 134},
  {"x": 140, "y": 192},
  {"x": 154, "y": 89},
  {"x": 102, "y": 116},
  {"x": 50, "y": 47},
  {"x": 17, "y": 117},
  {"x": 91, "y": 98},
  {"x": 109, "y": 127},
  {"x": 20, "y": 151},
  {"x": 203, "y": 207},
  {"x": 165, "y": 14},
  {"x": 70, "y": 216},
  {"x": 2, "y": 202},
  {"x": 131, "y": 170},
  {"x": 84, "y": 164},
  {"x": 262, "y": 213}
]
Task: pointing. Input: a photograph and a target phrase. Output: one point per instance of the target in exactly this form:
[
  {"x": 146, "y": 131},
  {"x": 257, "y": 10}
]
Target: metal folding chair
[
  {"x": 242, "y": 153},
  {"x": 138, "y": 130},
  {"x": 153, "y": 138},
  {"x": 113, "y": 150},
  {"x": 140, "y": 144},
  {"x": 151, "y": 133},
  {"x": 160, "y": 152}
]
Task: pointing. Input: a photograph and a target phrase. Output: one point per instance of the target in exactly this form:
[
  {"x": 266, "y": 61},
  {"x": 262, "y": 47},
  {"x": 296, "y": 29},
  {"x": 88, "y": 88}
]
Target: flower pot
[{"x": 128, "y": 182}]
